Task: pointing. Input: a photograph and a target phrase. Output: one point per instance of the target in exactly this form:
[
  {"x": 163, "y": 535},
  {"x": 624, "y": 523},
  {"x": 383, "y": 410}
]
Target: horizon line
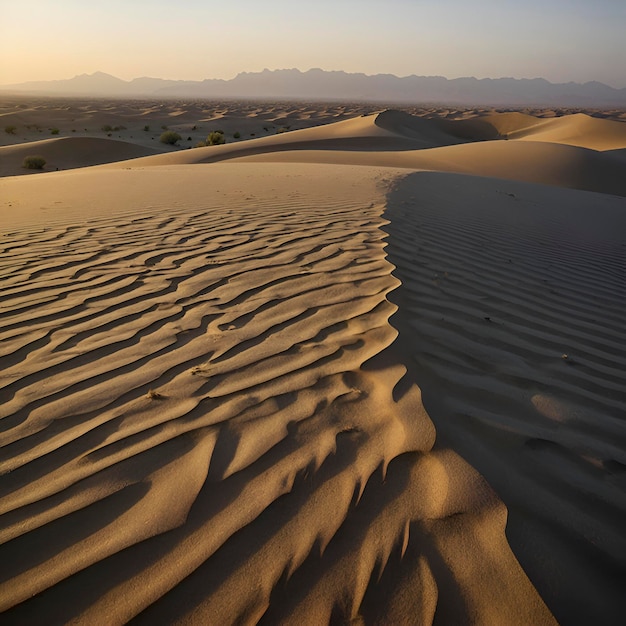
[{"x": 311, "y": 69}]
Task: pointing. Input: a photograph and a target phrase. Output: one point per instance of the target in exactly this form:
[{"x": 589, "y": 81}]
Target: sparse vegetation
[
  {"x": 163, "y": 127},
  {"x": 170, "y": 137},
  {"x": 10, "y": 130},
  {"x": 237, "y": 135},
  {"x": 146, "y": 128},
  {"x": 34, "y": 162},
  {"x": 215, "y": 138},
  {"x": 54, "y": 131},
  {"x": 107, "y": 128}
]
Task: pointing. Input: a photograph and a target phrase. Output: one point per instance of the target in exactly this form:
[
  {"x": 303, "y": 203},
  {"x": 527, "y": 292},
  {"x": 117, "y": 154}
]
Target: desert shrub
[
  {"x": 146, "y": 128},
  {"x": 107, "y": 128},
  {"x": 215, "y": 138},
  {"x": 194, "y": 128},
  {"x": 188, "y": 138},
  {"x": 34, "y": 162},
  {"x": 237, "y": 135},
  {"x": 10, "y": 130},
  {"x": 54, "y": 131},
  {"x": 163, "y": 127},
  {"x": 200, "y": 144},
  {"x": 169, "y": 137}
]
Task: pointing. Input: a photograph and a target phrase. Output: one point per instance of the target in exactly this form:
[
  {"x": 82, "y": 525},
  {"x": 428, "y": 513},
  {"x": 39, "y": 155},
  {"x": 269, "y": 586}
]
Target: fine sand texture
[{"x": 369, "y": 371}]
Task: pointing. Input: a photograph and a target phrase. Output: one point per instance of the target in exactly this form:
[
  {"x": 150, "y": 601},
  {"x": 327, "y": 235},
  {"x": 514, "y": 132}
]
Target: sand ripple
[
  {"x": 512, "y": 309},
  {"x": 204, "y": 418}
]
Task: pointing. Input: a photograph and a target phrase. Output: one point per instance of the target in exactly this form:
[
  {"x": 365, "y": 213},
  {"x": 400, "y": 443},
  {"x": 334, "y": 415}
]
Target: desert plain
[{"x": 356, "y": 365}]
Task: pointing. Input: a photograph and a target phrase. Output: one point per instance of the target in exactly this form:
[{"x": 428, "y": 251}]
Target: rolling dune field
[{"x": 369, "y": 370}]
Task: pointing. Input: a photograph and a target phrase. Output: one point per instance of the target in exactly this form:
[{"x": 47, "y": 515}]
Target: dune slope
[
  {"x": 205, "y": 416},
  {"x": 69, "y": 152},
  {"x": 511, "y": 308},
  {"x": 550, "y": 164}
]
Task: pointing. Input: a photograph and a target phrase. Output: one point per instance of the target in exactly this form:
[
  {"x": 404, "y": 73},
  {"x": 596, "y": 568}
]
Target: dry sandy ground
[{"x": 364, "y": 372}]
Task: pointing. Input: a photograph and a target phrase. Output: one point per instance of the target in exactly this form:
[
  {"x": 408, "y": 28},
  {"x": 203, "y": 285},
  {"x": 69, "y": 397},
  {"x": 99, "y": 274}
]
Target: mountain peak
[{"x": 318, "y": 84}]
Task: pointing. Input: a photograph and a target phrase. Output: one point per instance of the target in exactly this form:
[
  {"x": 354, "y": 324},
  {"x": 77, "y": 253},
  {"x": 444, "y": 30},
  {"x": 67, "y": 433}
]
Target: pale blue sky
[{"x": 192, "y": 39}]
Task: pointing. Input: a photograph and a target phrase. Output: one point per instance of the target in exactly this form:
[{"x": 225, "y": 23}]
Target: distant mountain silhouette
[{"x": 317, "y": 84}]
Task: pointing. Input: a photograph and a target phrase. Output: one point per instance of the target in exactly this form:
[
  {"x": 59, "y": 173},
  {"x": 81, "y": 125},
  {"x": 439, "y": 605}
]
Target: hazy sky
[{"x": 560, "y": 40}]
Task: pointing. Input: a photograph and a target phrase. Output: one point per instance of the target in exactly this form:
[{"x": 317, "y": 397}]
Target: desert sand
[{"x": 369, "y": 370}]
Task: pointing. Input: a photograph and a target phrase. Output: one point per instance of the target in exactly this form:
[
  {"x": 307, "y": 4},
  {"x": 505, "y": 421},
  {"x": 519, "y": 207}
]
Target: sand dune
[
  {"x": 395, "y": 139},
  {"x": 564, "y": 166},
  {"x": 573, "y": 130},
  {"x": 68, "y": 152},
  {"x": 313, "y": 384},
  {"x": 429, "y": 134},
  {"x": 251, "y": 379},
  {"x": 577, "y": 129}
]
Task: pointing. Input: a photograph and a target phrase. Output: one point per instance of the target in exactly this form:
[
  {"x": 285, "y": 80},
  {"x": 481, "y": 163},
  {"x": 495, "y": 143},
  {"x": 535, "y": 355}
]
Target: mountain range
[{"x": 317, "y": 84}]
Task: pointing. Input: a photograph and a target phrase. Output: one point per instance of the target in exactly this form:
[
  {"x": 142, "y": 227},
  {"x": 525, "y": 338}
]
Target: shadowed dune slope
[
  {"x": 577, "y": 129},
  {"x": 487, "y": 127},
  {"x": 427, "y": 132},
  {"x": 511, "y": 309},
  {"x": 206, "y": 418},
  {"x": 69, "y": 152}
]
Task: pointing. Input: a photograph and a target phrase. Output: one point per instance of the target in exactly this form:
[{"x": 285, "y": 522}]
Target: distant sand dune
[
  {"x": 69, "y": 152},
  {"x": 550, "y": 164},
  {"x": 573, "y": 130},
  {"x": 395, "y": 139}
]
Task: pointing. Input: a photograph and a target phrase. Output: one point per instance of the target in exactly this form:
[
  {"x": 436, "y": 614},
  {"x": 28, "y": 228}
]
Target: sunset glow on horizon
[{"x": 192, "y": 40}]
